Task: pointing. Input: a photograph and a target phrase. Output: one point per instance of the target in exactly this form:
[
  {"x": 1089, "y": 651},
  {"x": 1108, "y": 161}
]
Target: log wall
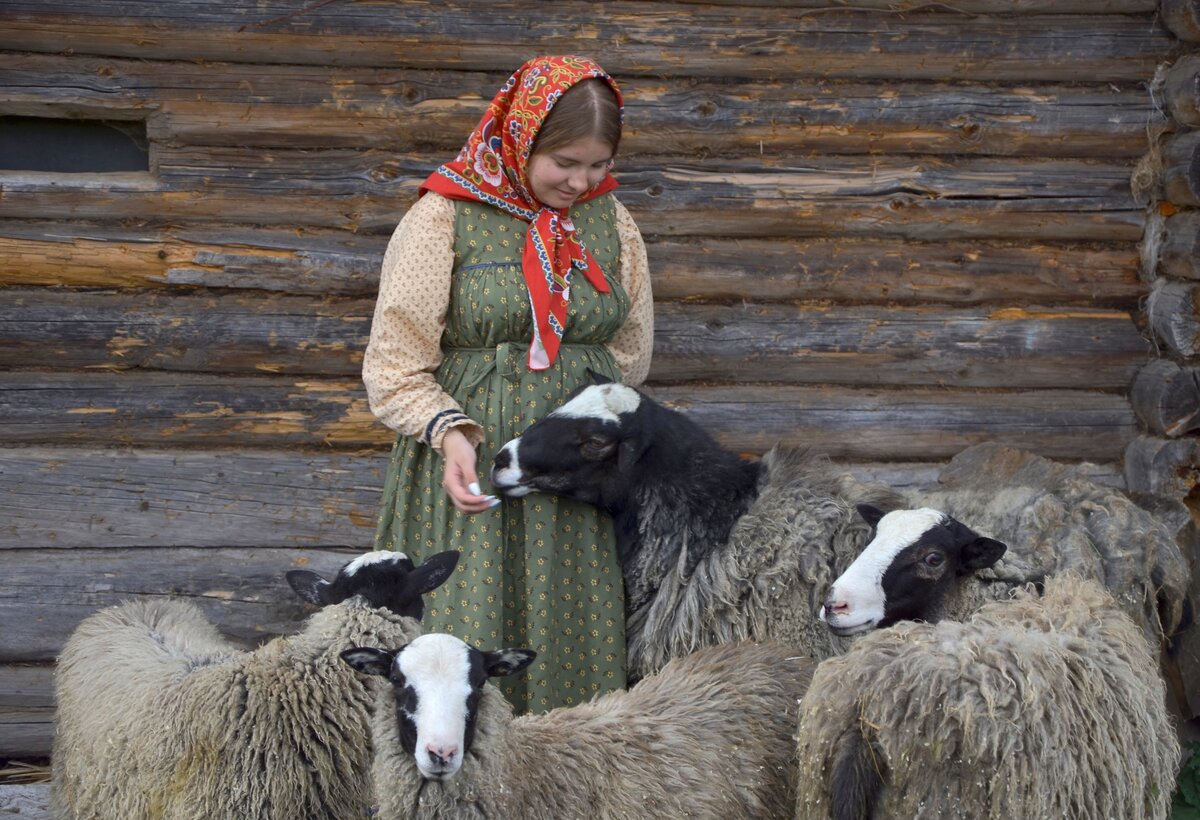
[{"x": 889, "y": 229}]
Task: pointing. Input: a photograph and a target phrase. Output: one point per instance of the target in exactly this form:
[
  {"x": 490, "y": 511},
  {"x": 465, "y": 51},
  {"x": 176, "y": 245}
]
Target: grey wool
[
  {"x": 710, "y": 736},
  {"x": 1055, "y": 518},
  {"x": 765, "y": 581},
  {"x": 1039, "y": 706}
]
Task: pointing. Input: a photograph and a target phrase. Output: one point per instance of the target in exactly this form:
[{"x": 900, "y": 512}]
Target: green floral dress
[{"x": 538, "y": 571}]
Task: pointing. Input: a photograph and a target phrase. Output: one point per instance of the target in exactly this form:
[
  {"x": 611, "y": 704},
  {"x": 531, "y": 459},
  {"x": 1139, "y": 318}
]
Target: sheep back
[
  {"x": 158, "y": 716},
  {"x": 711, "y": 735},
  {"x": 1056, "y": 519},
  {"x": 1035, "y": 707},
  {"x": 767, "y": 580}
]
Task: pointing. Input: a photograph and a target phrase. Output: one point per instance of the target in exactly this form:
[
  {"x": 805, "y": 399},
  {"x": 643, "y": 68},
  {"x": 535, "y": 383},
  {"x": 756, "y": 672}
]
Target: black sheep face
[
  {"x": 581, "y": 451},
  {"x": 910, "y": 567}
]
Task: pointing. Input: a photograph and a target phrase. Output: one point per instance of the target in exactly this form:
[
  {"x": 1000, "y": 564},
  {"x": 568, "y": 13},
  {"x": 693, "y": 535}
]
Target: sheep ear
[
  {"x": 598, "y": 378},
  {"x": 370, "y": 661},
  {"x": 432, "y": 573},
  {"x": 309, "y": 586},
  {"x": 630, "y": 453},
  {"x": 870, "y": 514},
  {"x": 981, "y": 553},
  {"x": 507, "y": 661}
]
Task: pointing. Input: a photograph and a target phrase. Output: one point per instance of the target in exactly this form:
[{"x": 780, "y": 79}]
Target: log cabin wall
[{"x": 890, "y": 230}]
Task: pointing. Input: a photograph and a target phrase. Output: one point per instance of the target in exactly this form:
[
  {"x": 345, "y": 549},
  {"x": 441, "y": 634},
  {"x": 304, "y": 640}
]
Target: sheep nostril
[
  {"x": 501, "y": 460},
  {"x": 833, "y": 607}
]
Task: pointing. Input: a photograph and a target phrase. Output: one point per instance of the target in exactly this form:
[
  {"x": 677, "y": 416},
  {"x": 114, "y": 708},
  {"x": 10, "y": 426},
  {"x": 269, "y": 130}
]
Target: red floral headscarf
[{"x": 493, "y": 168}]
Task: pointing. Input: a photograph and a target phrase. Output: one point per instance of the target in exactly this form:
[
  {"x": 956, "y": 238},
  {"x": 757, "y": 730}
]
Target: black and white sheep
[
  {"x": 1043, "y": 705},
  {"x": 715, "y": 548},
  {"x": 710, "y": 735},
  {"x": 159, "y": 716}
]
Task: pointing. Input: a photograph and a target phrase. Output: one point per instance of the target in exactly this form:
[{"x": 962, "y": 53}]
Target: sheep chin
[{"x": 846, "y": 630}]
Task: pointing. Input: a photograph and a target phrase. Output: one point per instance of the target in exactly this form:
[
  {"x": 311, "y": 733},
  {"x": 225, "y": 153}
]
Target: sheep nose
[
  {"x": 502, "y": 459},
  {"x": 441, "y": 755},
  {"x": 836, "y": 607}
]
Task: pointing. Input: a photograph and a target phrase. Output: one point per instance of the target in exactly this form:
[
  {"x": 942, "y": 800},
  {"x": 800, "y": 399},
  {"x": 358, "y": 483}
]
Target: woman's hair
[{"x": 587, "y": 109}]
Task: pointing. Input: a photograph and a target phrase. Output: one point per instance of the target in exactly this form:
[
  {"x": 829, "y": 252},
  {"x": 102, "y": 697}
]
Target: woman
[{"x": 515, "y": 274}]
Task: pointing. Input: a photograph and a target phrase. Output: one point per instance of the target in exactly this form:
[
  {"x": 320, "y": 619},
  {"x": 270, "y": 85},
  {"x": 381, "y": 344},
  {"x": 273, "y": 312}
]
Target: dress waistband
[{"x": 509, "y": 359}]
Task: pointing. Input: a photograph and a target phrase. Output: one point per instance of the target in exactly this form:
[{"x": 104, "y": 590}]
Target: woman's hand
[{"x": 460, "y": 480}]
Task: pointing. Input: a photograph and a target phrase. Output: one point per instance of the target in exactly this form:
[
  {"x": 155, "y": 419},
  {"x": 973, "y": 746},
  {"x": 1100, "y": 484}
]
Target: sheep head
[
  {"x": 437, "y": 681},
  {"x": 584, "y": 450},
  {"x": 915, "y": 561},
  {"x": 385, "y": 579}
]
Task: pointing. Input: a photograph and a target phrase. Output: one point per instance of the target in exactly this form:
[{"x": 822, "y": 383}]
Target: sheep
[
  {"x": 1056, "y": 518},
  {"x": 159, "y": 716},
  {"x": 710, "y": 735},
  {"x": 1043, "y": 705},
  {"x": 717, "y": 548},
  {"x": 714, "y": 548}
]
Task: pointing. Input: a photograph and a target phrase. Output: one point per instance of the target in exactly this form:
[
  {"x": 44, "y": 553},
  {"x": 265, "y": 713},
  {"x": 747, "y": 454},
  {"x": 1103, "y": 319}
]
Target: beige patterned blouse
[{"x": 410, "y": 315}]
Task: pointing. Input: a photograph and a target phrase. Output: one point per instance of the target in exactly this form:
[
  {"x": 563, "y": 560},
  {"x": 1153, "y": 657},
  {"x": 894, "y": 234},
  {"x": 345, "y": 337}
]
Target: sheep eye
[
  {"x": 934, "y": 559},
  {"x": 595, "y": 448}
]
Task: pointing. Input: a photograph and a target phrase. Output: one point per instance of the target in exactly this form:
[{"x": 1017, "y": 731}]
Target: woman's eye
[{"x": 934, "y": 559}]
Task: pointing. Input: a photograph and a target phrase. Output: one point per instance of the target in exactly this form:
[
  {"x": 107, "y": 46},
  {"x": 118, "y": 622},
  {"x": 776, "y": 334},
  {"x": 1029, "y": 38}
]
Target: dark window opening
[{"x": 73, "y": 146}]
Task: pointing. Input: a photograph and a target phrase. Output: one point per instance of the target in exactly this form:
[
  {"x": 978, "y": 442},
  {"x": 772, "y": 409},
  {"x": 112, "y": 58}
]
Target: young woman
[{"x": 515, "y": 273}]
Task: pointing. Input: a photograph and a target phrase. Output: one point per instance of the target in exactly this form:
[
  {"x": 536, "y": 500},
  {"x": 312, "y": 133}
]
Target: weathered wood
[
  {"x": 71, "y": 498},
  {"x": 318, "y": 107},
  {"x": 1172, "y": 309},
  {"x": 294, "y": 335},
  {"x": 1007, "y": 347},
  {"x": 1181, "y": 169},
  {"x": 634, "y": 38},
  {"x": 1169, "y": 467},
  {"x": 1182, "y": 90},
  {"x": 26, "y": 802},
  {"x": 341, "y": 263},
  {"x": 166, "y": 409},
  {"x": 185, "y": 408},
  {"x": 833, "y": 196},
  {"x": 1166, "y": 397},
  {"x": 26, "y": 711},
  {"x": 1182, "y": 17},
  {"x": 1179, "y": 252},
  {"x": 242, "y": 591},
  {"x": 964, "y": 7}
]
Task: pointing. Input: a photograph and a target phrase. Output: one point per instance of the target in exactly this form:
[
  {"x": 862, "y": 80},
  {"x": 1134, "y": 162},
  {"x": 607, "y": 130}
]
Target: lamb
[
  {"x": 1043, "y": 705},
  {"x": 159, "y": 716},
  {"x": 714, "y": 548},
  {"x": 710, "y": 735}
]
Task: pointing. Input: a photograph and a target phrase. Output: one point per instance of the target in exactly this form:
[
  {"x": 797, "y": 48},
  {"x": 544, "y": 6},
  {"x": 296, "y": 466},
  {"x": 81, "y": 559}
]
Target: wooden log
[
  {"x": 636, "y": 38},
  {"x": 341, "y": 263},
  {"x": 1179, "y": 252},
  {"x": 994, "y": 348},
  {"x": 1172, "y": 309},
  {"x": 26, "y": 711},
  {"x": 1181, "y": 169},
  {"x": 295, "y": 106},
  {"x": 1182, "y": 17},
  {"x": 924, "y": 199},
  {"x": 26, "y": 801},
  {"x": 1182, "y": 90},
  {"x": 73, "y": 498},
  {"x": 967, "y": 7},
  {"x": 242, "y": 591},
  {"x": 249, "y": 333},
  {"x": 167, "y": 409},
  {"x": 1166, "y": 397},
  {"x": 1169, "y": 467}
]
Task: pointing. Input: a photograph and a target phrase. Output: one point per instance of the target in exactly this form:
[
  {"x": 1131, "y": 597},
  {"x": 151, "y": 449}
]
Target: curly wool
[
  {"x": 711, "y": 735},
  {"x": 159, "y": 716},
  {"x": 1055, "y": 519},
  {"x": 766, "y": 581},
  {"x": 1035, "y": 707}
]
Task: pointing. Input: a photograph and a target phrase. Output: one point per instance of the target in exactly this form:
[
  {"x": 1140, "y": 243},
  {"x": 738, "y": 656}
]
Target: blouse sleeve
[
  {"x": 410, "y": 314},
  {"x": 634, "y": 342}
]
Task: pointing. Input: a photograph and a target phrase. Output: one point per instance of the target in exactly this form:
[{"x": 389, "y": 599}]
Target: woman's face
[{"x": 561, "y": 176}]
